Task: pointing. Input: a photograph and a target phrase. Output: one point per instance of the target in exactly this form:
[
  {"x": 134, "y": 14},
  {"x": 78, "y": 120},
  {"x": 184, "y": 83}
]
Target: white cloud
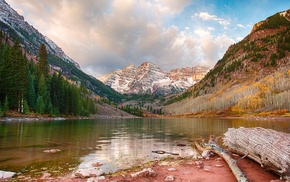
[
  {"x": 106, "y": 35},
  {"x": 240, "y": 25},
  {"x": 207, "y": 16}
]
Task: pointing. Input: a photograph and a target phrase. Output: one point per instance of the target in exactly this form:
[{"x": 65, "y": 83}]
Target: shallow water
[{"x": 114, "y": 143}]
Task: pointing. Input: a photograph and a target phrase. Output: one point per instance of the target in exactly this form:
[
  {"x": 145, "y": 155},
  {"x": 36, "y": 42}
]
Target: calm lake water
[{"x": 114, "y": 143}]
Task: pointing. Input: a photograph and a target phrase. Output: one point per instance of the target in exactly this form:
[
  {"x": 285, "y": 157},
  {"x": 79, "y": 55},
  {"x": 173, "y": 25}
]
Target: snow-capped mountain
[
  {"x": 149, "y": 78},
  {"x": 15, "y": 26}
]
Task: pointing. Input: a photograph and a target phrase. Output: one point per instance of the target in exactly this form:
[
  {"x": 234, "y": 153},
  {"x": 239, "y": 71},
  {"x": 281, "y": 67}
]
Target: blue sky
[{"x": 104, "y": 35}]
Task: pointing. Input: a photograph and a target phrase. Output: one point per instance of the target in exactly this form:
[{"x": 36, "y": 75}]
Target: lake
[{"x": 115, "y": 143}]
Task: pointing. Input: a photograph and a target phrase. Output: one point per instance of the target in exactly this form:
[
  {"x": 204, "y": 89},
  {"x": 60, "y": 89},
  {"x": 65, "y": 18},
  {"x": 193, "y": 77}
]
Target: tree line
[{"x": 27, "y": 86}]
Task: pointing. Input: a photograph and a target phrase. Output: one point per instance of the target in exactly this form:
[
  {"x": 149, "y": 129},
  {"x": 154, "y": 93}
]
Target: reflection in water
[{"x": 115, "y": 143}]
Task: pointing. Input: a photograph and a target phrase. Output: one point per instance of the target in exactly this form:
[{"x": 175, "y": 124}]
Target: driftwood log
[
  {"x": 214, "y": 147},
  {"x": 268, "y": 147}
]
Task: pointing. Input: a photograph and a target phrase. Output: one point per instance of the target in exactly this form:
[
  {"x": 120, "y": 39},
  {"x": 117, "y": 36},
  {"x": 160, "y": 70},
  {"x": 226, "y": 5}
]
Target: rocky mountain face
[
  {"x": 253, "y": 75},
  {"x": 149, "y": 78},
  {"x": 14, "y": 25}
]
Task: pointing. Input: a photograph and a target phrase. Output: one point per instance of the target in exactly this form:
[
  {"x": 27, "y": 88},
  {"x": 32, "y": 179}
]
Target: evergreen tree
[
  {"x": 17, "y": 77},
  {"x": 25, "y": 84},
  {"x": 42, "y": 60},
  {"x": 40, "y": 105},
  {"x": 32, "y": 95},
  {"x": 1, "y": 112},
  {"x": 26, "y": 108},
  {"x": 42, "y": 87},
  {"x": 6, "y": 106},
  {"x": 5, "y": 75}
]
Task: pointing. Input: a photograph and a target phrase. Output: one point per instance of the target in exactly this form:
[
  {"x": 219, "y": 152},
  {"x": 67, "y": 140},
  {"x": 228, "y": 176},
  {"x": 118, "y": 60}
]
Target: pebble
[
  {"x": 169, "y": 178},
  {"x": 199, "y": 157},
  {"x": 96, "y": 179},
  {"x": 207, "y": 168},
  {"x": 86, "y": 173},
  {"x": 205, "y": 154},
  {"x": 147, "y": 172},
  {"x": 198, "y": 162},
  {"x": 219, "y": 165},
  {"x": 45, "y": 175},
  {"x": 171, "y": 169},
  {"x": 218, "y": 159}
]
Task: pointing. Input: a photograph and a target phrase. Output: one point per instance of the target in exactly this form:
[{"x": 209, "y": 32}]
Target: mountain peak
[
  {"x": 149, "y": 78},
  {"x": 148, "y": 64}
]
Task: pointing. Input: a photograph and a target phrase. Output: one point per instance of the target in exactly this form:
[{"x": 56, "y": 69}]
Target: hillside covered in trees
[
  {"x": 252, "y": 76},
  {"x": 28, "y": 86}
]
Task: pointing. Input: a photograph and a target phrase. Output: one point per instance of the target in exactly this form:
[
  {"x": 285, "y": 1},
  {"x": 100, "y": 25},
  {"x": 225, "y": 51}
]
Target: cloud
[
  {"x": 211, "y": 48},
  {"x": 206, "y": 16},
  {"x": 106, "y": 35},
  {"x": 240, "y": 25}
]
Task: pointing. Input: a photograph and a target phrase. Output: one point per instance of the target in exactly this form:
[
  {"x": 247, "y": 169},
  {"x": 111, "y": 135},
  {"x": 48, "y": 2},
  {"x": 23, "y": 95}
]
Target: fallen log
[
  {"x": 214, "y": 147},
  {"x": 270, "y": 148}
]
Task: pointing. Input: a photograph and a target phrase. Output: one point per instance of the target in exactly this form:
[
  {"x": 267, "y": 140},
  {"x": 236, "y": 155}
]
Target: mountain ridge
[
  {"x": 11, "y": 18},
  {"x": 251, "y": 76},
  {"x": 148, "y": 78}
]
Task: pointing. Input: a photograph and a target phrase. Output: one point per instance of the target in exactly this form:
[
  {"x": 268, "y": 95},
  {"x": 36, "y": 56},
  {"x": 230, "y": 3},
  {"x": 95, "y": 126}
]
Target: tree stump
[{"x": 268, "y": 147}]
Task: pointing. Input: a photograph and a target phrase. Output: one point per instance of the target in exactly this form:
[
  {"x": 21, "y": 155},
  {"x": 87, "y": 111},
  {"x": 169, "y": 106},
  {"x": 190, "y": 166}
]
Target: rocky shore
[{"x": 205, "y": 169}]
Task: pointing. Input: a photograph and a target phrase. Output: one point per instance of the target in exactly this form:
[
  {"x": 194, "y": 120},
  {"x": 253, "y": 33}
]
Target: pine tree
[
  {"x": 42, "y": 87},
  {"x": 32, "y": 95},
  {"x": 26, "y": 108},
  {"x": 1, "y": 112},
  {"x": 6, "y": 106},
  {"x": 42, "y": 60},
  {"x": 17, "y": 77},
  {"x": 40, "y": 105},
  {"x": 5, "y": 75}
]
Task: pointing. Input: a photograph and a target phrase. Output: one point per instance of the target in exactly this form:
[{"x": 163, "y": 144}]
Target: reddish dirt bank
[
  {"x": 213, "y": 169},
  {"x": 179, "y": 170}
]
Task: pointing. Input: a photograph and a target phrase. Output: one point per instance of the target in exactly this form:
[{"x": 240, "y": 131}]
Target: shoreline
[
  {"x": 172, "y": 169},
  {"x": 59, "y": 118}
]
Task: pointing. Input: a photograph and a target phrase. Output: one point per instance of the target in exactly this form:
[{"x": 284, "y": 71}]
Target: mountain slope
[
  {"x": 253, "y": 75},
  {"x": 17, "y": 28},
  {"x": 148, "y": 78}
]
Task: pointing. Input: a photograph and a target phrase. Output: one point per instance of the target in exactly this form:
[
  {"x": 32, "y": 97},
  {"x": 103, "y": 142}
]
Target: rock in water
[
  {"x": 6, "y": 174},
  {"x": 52, "y": 151}
]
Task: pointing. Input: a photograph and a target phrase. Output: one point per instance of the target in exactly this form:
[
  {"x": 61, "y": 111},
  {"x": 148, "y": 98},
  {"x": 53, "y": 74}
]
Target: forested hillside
[
  {"x": 252, "y": 76},
  {"x": 15, "y": 26},
  {"x": 28, "y": 86}
]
